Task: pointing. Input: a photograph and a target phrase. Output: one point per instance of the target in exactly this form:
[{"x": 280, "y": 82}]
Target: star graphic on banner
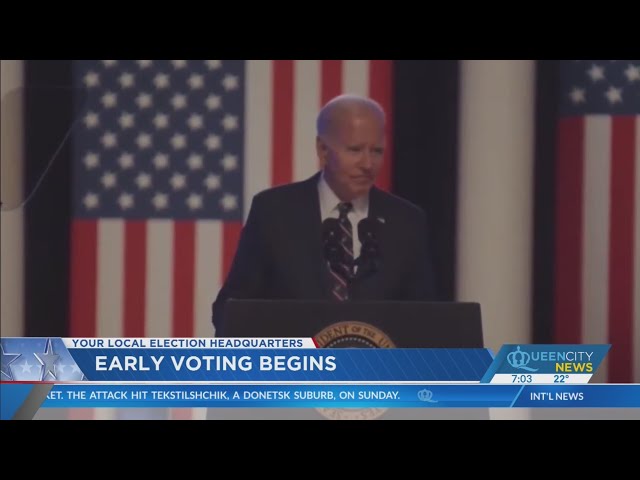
[
  {"x": 5, "y": 362},
  {"x": 110, "y": 63},
  {"x": 144, "y": 63},
  {"x": 48, "y": 360},
  {"x": 26, "y": 366}
]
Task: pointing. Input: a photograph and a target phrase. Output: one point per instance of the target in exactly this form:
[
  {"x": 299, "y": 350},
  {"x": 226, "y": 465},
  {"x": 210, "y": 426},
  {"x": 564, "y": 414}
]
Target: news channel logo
[
  {"x": 520, "y": 360},
  {"x": 37, "y": 360},
  {"x": 425, "y": 395}
]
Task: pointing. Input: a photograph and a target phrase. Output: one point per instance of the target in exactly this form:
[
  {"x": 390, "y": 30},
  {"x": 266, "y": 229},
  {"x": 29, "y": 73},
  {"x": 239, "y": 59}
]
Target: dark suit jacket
[{"x": 280, "y": 254}]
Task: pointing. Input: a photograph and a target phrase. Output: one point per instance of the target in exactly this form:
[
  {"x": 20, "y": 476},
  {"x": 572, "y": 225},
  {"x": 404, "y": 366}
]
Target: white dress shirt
[{"x": 329, "y": 202}]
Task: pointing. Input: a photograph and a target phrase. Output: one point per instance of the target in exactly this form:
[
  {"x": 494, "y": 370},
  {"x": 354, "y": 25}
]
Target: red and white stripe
[
  {"x": 158, "y": 278},
  {"x": 597, "y": 297}
]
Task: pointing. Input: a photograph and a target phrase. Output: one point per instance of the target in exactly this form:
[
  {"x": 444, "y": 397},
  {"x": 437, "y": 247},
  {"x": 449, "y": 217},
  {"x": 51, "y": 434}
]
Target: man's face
[{"x": 352, "y": 153}]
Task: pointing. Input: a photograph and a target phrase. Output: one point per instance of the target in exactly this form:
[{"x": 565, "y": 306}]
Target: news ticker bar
[{"x": 343, "y": 396}]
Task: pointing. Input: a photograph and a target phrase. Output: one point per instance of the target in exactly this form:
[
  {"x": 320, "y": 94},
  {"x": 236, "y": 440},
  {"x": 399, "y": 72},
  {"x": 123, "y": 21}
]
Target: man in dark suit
[{"x": 303, "y": 240}]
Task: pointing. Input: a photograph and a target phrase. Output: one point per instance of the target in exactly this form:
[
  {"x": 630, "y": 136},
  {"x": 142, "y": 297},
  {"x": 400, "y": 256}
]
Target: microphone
[{"x": 368, "y": 261}]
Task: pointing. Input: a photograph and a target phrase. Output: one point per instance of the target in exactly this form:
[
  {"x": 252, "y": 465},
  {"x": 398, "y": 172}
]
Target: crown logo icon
[
  {"x": 426, "y": 396},
  {"x": 520, "y": 360}
]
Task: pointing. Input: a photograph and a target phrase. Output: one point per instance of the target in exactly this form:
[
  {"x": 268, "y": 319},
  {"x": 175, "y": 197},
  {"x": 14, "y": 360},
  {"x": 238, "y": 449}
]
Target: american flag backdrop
[
  {"x": 597, "y": 289},
  {"x": 167, "y": 158}
]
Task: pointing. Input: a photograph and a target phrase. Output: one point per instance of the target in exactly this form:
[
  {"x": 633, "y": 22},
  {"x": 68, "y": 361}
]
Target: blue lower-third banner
[{"x": 346, "y": 396}]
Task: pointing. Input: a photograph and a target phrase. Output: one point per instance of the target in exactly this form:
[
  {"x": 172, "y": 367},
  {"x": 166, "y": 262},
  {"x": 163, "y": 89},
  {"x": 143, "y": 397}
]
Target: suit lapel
[{"x": 308, "y": 222}]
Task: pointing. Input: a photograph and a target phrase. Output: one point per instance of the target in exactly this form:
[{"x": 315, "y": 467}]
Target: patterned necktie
[{"x": 342, "y": 272}]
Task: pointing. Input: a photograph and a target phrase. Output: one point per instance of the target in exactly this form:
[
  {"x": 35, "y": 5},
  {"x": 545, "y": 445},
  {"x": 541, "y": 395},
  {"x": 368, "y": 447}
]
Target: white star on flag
[
  {"x": 91, "y": 200},
  {"x": 161, "y": 161},
  {"x": 179, "y": 101},
  {"x": 143, "y": 141},
  {"x": 213, "y": 142},
  {"x": 109, "y": 140},
  {"x": 178, "y": 141},
  {"x": 144, "y": 100},
  {"x": 230, "y": 82},
  {"x": 194, "y": 201},
  {"x": 91, "y": 120},
  {"x": 161, "y": 121},
  {"x": 229, "y": 162},
  {"x": 109, "y": 180},
  {"x": 160, "y": 201},
  {"x": 195, "y": 82},
  {"x": 109, "y": 100},
  {"x": 178, "y": 181},
  {"x": 195, "y": 122},
  {"x": 195, "y": 161},
  {"x": 213, "y": 64},
  {"x": 126, "y": 80},
  {"x": 596, "y": 73},
  {"x": 230, "y": 123},
  {"x": 143, "y": 180},
  {"x": 161, "y": 81},
  {"x": 126, "y": 161},
  {"x": 125, "y": 201},
  {"x": 92, "y": 79},
  {"x": 91, "y": 160},
  {"x": 212, "y": 182},
  {"x": 213, "y": 102},
  {"x": 126, "y": 120},
  {"x": 229, "y": 202}
]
